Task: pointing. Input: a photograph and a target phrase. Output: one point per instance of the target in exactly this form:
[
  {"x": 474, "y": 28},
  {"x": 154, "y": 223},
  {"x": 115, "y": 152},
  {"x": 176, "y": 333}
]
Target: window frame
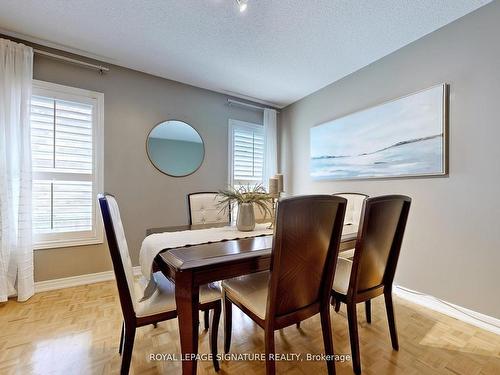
[
  {"x": 96, "y": 235},
  {"x": 234, "y": 124}
]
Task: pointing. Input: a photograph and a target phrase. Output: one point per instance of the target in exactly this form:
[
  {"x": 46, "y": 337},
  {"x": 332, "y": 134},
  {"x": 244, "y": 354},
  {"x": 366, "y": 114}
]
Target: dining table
[{"x": 194, "y": 265}]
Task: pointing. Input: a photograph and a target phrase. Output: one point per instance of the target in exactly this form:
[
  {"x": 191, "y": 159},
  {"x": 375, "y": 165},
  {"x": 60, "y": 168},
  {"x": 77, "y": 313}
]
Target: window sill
[{"x": 66, "y": 243}]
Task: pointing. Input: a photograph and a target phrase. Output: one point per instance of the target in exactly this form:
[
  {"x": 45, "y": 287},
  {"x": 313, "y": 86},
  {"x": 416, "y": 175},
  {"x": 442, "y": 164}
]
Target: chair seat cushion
[
  {"x": 250, "y": 291},
  {"x": 343, "y": 272},
  {"x": 163, "y": 299},
  {"x": 348, "y": 254}
]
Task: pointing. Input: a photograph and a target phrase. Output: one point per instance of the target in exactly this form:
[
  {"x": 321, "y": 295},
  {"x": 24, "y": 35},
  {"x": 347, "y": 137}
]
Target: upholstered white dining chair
[
  {"x": 161, "y": 305},
  {"x": 261, "y": 215},
  {"x": 354, "y": 207},
  {"x": 203, "y": 209}
]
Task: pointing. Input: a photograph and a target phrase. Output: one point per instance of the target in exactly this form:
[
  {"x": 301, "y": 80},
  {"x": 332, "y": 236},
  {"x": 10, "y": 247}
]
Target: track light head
[{"x": 242, "y": 4}]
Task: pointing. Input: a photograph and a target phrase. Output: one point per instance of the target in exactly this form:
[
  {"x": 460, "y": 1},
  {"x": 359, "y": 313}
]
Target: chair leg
[
  {"x": 269, "y": 347},
  {"x": 326, "y": 326},
  {"x": 214, "y": 331},
  {"x": 298, "y": 324},
  {"x": 228, "y": 322},
  {"x": 120, "y": 348},
  {"x": 353, "y": 336},
  {"x": 368, "y": 311},
  {"x": 128, "y": 345},
  {"x": 390, "y": 318},
  {"x": 337, "y": 305},
  {"x": 206, "y": 319}
]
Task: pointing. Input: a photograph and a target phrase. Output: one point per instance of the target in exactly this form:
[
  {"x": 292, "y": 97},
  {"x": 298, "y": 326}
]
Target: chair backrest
[
  {"x": 304, "y": 254},
  {"x": 203, "y": 209},
  {"x": 261, "y": 215},
  {"x": 380, "y": 236},
  {"x": 354, "y": 206},
  {"x": 117, "y": 244}
]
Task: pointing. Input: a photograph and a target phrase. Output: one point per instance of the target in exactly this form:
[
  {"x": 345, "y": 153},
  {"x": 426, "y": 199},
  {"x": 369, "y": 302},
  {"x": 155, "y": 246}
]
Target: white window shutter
[
  {"x": 247, "y": 153},
  {"x": 64, "y": 124}
]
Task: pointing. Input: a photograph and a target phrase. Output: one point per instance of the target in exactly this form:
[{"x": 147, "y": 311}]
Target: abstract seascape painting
[{"x": 405, "y": 137}]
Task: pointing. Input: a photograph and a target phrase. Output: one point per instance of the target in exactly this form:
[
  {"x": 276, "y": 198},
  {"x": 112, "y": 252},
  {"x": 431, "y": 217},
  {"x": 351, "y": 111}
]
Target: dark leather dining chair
[
  {"x": 368, "y": 270},
  {"x": 161, "y": 305},
  {"x": 304, "y": 253}
]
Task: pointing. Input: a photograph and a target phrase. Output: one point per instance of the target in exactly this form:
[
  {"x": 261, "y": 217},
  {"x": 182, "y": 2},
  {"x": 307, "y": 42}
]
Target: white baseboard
[
  {"x": 68, "y": 282},
  {"x": 485, "y": 322}
]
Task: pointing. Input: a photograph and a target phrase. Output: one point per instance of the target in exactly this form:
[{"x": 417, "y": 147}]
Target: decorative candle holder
[
  {"x": 275, "y": 190},
  {"x": 274, "y": 201}
]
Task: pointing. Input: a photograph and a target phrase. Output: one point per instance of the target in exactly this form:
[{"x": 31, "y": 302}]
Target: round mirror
[{"x": 175, "y": 148}]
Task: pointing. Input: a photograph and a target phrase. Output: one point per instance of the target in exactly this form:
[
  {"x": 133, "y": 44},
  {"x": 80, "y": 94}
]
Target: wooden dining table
[{"x": 191, "y": 266}]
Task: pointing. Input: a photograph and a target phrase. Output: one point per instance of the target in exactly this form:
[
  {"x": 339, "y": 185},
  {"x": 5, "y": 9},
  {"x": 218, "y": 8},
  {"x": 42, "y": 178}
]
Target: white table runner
[{"x": 157, "y": 242}]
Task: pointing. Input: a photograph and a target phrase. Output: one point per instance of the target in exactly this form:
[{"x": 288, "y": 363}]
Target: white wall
[{"x": 452, "y": 244}]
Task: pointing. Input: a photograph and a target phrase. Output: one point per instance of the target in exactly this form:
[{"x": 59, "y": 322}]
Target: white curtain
[
  {"x": 16, "y": 249},
  {"x": 271, "y": 145}
]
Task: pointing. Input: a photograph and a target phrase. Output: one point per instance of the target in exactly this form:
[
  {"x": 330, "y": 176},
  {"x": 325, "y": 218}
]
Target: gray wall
[
  {"x": 175, "y": 157},
  {"x": 452, "y": 244},
  {"x": 133, "y": 103}
]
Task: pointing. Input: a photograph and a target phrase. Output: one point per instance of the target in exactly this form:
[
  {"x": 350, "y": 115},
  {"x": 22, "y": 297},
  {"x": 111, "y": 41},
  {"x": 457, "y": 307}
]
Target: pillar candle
[
  {"x": 279, "y": 176},
  {"x": 273, "y": 186}
]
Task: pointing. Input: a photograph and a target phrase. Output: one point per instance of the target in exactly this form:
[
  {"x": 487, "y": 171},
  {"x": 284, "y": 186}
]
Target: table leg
[{"x": 187, "y": 300}]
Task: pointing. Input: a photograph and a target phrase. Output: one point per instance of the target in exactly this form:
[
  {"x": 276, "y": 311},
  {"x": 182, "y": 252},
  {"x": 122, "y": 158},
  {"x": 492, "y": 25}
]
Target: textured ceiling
[{"x": 278, "y": 51}]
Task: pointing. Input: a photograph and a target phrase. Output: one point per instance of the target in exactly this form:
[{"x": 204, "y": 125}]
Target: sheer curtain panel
[
  {"x": 271, "y": 145},
  {"x": 16, "y": 250}
]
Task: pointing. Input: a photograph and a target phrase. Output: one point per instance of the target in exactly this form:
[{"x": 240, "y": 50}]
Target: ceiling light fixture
[{"x": 242, "y": 4}]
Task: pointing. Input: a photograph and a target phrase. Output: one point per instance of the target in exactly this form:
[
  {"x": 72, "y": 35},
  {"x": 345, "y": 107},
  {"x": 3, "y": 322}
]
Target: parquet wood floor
[{"x": 77, "y": 330}]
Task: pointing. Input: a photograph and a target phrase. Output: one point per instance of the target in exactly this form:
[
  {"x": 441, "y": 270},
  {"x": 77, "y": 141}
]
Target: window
[
  {"x": 246, "y": 153},
  {"x": 66, "y": 144}
]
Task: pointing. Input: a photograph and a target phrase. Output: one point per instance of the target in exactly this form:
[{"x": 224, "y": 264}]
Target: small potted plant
[{"x": 246, "y": 198}]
